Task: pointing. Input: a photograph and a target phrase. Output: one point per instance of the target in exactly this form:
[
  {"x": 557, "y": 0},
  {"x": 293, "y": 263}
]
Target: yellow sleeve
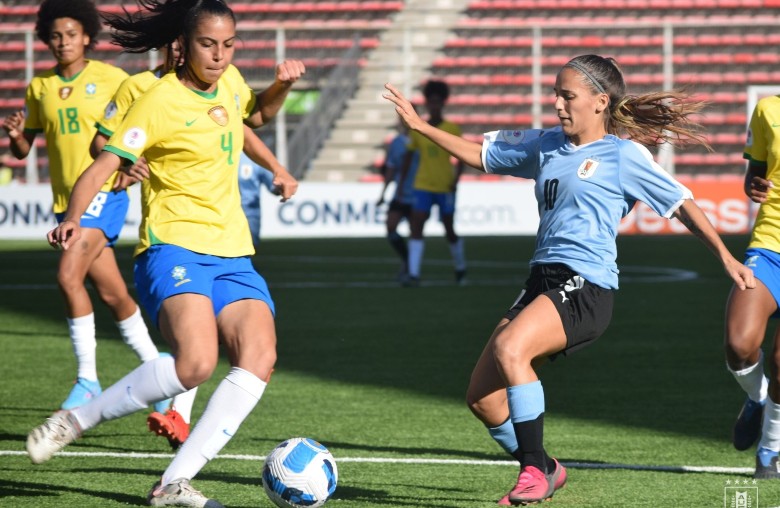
[
  {"x": 32, "y": 121},
  {"x": 756, "y": 148}
]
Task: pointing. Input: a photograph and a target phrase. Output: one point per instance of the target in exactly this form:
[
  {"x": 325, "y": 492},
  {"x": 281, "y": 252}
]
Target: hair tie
[{"x": 587, "y": 74}]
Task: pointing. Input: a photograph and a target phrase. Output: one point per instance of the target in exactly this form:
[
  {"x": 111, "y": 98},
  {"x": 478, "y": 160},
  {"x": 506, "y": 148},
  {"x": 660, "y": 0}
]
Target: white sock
[
  {"x": 183, "y": 403},
  {"x": 770, "y": 428},
  {"x": 458, "y": 255},
  {"x": 136, "y": 335},
  {"x": 82, "y": 336},
  {"x": 416, "y": 250},
  {"x": 753, "y": 380},
  {"x": 231, "y": 403},
  {"x": 148, "y": 383}
]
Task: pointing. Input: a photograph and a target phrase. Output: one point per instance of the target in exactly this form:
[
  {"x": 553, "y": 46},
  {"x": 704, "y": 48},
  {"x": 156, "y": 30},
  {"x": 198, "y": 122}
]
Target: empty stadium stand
[{"x": 487, "y": 50}]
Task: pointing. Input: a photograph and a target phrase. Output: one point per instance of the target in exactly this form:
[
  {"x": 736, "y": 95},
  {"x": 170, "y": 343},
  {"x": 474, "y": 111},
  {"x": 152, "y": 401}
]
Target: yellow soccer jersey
[
  {"x": 191, "y": 142},
  {"x": 130, "y": 89},
  {"x": 434, "y": 172},
  {"x": 763, "y": 147},
  {"x": 66, "y": 111}
]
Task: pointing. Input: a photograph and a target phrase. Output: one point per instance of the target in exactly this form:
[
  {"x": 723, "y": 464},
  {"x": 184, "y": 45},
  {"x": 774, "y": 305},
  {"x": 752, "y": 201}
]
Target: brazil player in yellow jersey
[
  {"x": 193, "y": 270},
  {"x": 173, "y": 422},
  {"x": 748, "y": 312},
  {"x": 64, "y": 103},
  {"x": 435, "y": 183}
]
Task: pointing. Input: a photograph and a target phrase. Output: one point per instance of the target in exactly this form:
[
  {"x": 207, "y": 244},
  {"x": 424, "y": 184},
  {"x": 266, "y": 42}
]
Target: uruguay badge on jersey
[{"x": 587, "y": 168}]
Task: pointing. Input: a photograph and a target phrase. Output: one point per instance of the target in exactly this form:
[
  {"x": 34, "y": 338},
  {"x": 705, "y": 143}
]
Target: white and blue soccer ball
[{"x": 300, "y": 472}]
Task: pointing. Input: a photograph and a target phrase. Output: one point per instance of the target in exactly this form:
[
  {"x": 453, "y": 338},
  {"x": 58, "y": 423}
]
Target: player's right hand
[
  {"x": 14, "y": 124},
  {"x": 64, "y": 235}
]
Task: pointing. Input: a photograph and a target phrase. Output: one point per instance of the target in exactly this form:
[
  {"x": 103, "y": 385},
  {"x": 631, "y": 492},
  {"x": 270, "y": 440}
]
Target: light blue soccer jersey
[
  {"x": 396, "y": 153},
  {"x": 251, "y": 177},
  {"x": 582, "y": 193}
]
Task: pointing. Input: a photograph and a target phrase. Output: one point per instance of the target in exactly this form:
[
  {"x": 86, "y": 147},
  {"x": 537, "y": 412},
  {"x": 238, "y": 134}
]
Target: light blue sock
[
  {"x": 505, "y": 436},
  {"x": 526, "y": 402}
]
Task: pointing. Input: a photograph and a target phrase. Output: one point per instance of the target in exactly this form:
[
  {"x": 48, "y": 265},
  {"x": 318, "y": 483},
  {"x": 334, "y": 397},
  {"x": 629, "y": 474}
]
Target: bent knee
[{"x": 194, "y": 373}]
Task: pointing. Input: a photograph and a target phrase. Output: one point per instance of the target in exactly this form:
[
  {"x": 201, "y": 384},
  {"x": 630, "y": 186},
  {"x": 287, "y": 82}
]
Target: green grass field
[{"x": 377, "y": 373}]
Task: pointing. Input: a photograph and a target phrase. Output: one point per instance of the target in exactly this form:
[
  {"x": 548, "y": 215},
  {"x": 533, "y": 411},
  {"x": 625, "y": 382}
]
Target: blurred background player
[
  {"x": 64, "y": 103},
  {"x": 252, "y": 178},
  {"x": 435, "y": 183},
  {"x": 192, "y": 270},
  {"x": 748, "y": 312},
  {"x": 403, "y": 195}
]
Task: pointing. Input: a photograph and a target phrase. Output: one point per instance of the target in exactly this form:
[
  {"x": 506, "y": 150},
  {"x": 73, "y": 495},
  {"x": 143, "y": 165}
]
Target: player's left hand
[
  {"x": 285, "y": 184},
  {"x": 290, "y": 71}
]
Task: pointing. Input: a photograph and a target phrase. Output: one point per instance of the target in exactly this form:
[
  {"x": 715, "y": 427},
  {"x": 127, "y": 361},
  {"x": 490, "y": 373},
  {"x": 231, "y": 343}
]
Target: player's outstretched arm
[
  {"x": 697, "y": 223},
  {"x": 462, "y": 149}
]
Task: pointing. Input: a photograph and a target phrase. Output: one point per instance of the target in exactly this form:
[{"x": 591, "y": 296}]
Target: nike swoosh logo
[{"x": 190, "y": 122}]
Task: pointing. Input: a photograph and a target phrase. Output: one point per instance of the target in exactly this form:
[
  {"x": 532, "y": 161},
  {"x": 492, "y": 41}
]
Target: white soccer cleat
[
  {"x": 180, "y": 493},
  {"x": 57, "y": 431}
]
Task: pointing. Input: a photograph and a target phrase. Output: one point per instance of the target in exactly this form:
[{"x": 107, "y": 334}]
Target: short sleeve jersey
[
  {"x": 192, "y": 151},
  {"x": 396, "y": 154},
  {"x": 434, "y": 172},
  {"x": 66, "y": 111},
  {"x": 582, "y": 193},
  {"x": 763, "y": 148},
  {"x": 251, "y": 178},
  {"x": 130, "y": 89}
]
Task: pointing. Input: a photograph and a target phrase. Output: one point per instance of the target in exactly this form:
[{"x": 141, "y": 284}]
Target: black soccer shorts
[{"x": 585, "y": 308}]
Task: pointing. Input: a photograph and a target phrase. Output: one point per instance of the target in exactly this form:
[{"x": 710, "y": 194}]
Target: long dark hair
[
  {"x": 650, "y": 119},
  {"x": 160, "y": 22},
  {"x": 83, "y": 11}
]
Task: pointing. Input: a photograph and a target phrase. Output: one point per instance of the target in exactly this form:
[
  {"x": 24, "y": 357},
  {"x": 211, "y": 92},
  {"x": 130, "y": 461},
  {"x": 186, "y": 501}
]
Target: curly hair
[
  {"x": 83, "y": 11},
  {"x": 650, "y": 119},
  {"x": 439, "y": 88},
  {"x": 160, "y": 22}
]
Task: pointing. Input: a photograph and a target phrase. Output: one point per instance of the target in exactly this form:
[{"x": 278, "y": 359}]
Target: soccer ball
[{"x": 300, "y": 472}]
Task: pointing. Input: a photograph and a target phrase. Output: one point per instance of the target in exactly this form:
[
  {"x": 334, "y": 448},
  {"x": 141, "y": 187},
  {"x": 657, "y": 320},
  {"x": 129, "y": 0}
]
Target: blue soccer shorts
[
  {"x": 163, "y": 271},
  {"x": 766, "y": 267},
  {"x": 106, "y": 212},
  {"x": 424, "y": 201}
]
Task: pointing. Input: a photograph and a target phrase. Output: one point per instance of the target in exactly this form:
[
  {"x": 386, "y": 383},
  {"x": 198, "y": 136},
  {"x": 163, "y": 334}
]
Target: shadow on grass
[{"x": 659, "y": 366}]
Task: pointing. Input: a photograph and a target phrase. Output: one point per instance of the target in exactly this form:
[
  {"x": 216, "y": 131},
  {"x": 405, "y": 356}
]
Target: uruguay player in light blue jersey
[
  {"x": 400, "y": 206},
  {"x": 587, "y": 179},
  {"x": 252, "y": 178}
]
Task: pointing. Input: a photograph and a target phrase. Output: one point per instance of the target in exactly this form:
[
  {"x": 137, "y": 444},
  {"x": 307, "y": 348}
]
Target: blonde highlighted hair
[{"x": 650, "y": 119}]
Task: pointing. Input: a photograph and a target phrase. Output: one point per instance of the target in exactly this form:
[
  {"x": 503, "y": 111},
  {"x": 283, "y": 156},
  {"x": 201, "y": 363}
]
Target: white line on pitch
[{"x": 388, "y": 460}]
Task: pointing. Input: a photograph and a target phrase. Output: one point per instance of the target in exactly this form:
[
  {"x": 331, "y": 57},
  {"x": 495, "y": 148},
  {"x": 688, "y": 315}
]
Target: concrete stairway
[{"x": 357, "y": 139}]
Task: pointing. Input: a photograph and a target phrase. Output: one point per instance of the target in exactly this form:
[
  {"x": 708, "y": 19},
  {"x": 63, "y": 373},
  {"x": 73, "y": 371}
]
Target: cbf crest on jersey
[
  {"x": 219, "y": 115},
  {"x": 91, "y": 88},
  {"x": 65, "y": 92},
  {"x": 587, "y": 168}
]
